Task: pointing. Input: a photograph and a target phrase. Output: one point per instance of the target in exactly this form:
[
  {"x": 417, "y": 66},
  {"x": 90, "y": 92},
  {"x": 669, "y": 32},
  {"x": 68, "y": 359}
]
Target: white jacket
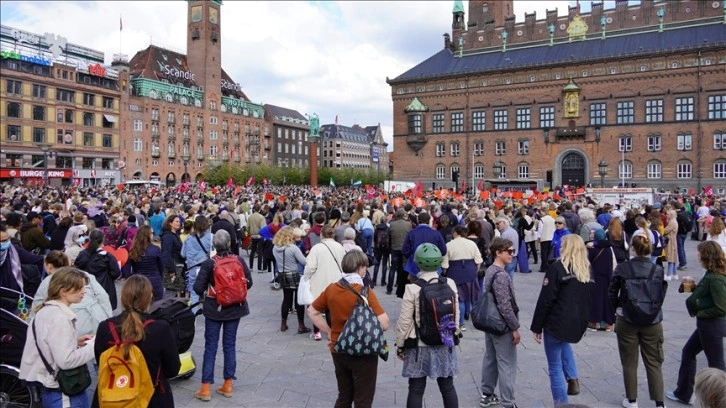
[
  {"x": 547, "y": 230},
  {"x": 323, "y": 265}
]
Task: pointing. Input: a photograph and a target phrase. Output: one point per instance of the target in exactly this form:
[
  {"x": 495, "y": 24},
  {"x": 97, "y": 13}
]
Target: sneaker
[
  {"x": 487, "y": 401},
  {"x": 671, "y": 395},
  {"x": 592, "y": 327},
  {"x": 276, "y": 286},
  {"x": 316, "y": 336},
  {"x": 683, "y": 268},
  {"x": 628, "y": 404},
  {"x": 675, "y": 277},
  {"x": 463, "y": 327}
]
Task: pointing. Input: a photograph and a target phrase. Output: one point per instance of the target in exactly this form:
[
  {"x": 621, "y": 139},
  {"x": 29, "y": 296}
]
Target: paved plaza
[{"x": 279, "y": 370}]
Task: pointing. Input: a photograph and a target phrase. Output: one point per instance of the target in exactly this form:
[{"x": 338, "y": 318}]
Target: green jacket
[{"x": 708, "y": 300}]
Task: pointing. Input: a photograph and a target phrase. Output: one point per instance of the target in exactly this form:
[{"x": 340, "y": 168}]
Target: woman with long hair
[
  {"x": 717, "y": 233},
  {"x": 634, "y": 336},
  {"x": 196, "y": 249},
  {"x": 602, "y": 261},
  {"x": 289, "y": 258},
  {"x": 618, "y": 240},
  {"x": 155, "y": 340},
  {"x": 101, "y": 264},
  {"x": 562, "y": 314},
  {"x": 145, "y": 259},
  {"x": 670, "y": 233},
  {"x": 53, "y": 334},
  {"x": 708, "y": 304},
  {"x": 171, "y": 246},
  {"x": 461, "y": 263}
]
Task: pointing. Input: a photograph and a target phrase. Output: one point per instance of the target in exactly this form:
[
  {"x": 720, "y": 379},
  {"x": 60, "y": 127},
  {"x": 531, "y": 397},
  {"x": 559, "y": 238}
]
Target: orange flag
[
  {"x": 484, "y": 195},
  {"x": 419, "y": 202},
  {"x": 269, "y": 196},
  {"x": 580, "y": 191},
  {"x": 517, "y": 195},
  {"x": 397, "y": 202},
  {"x": 556, "y": 197}
]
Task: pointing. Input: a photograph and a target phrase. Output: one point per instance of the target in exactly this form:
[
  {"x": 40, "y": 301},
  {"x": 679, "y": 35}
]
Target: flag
[
  {"x": 264, "y": 182},
  {"x": 418, "y": 189},
  {"x": 358, "y": 182},
  {"x": 120, "y": 23},
  {"x": 250, "y": 182},
  {"x": 230, "y": 182},
  {"x": 202, "y": 185},
  {"x": 332, "y": 183},
  {"x": 463, "y": 187},
  {"x": 708, "y": 191}
]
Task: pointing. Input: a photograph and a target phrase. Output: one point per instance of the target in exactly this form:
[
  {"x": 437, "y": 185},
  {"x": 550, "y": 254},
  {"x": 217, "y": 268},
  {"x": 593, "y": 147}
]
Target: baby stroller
[
  {"x": 13, "y": 331},
  {"x": 178, "y": 313}
]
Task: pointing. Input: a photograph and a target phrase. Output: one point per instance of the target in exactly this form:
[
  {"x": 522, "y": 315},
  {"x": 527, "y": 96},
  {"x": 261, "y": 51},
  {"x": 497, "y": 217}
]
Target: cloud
[{"x": 327, "y": 57}]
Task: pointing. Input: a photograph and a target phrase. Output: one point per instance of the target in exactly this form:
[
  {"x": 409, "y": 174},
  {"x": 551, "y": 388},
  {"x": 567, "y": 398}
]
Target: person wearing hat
[
  {"x": 423, "y": 360},
  {"x": 31, "y": 234}
]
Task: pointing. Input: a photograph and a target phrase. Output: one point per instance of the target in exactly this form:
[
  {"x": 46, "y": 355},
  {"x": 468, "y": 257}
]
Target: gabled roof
[
  {"x": 615, "y": 46},
  {"x": 150, "y": 63},
  {"x": 280, "y": 112},
  {"x": 353, "y": 134}
]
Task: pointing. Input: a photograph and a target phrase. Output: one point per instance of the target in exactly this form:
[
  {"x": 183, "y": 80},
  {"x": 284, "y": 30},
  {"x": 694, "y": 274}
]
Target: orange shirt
[{"x": 339, "y": 302}]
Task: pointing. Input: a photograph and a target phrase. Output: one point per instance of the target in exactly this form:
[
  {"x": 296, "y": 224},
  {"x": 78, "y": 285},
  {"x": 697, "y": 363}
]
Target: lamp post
[
  {"x": 44, "y": 147},
  {"x": 185, "y": 159},
  {"x": 283, "y": 162},
  {"x": 602, "y": 170}
]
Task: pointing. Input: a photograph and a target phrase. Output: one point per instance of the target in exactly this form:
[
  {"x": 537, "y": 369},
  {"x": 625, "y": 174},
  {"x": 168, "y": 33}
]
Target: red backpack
[{"x": 230, "y": 281}]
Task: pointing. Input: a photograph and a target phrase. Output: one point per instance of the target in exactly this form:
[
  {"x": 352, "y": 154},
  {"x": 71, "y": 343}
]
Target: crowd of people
[{"x": 70, "y": 247}]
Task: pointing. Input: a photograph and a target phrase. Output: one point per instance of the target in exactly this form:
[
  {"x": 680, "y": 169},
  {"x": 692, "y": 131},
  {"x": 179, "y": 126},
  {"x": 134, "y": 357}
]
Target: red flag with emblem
[
  {"x": 418, "y": 189},
  {"x": 708, "y": 191},
  {"x": 250, "y": 182},
  {"x": 230, "y": 182}
]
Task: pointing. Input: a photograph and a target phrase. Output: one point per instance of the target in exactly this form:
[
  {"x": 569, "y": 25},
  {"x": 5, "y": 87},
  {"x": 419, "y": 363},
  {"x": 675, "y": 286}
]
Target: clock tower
[{"x": 204, "y": 46}]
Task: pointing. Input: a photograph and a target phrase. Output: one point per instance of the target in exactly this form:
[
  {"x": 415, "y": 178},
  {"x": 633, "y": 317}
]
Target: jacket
[
  {"x": 93, "y": 309},
  {"x": 160, "y": 352},
  {"x": 417, "y": 236},
  {"x": 104, "y": 267},
  {"x": 211, "y": 308},
  {"x": 641, "y": 267},
  {"x": 708, "y": 300},
  {"x": 497, "y": 280},
  {"x": 193, "y": 253},
  {"x": 399, "y": 231},
  {"x": 227, "y": 226},
  {"x": 171, "y": 247},
  {"x": 410, "y": 308},
  {"x": 254, "y": 223},
  {"x": 563, "y": 306},
  {"x": 288, "y": 257},
  {"x": 548, "y": 228},
  {"x": 58, "y": 341},
  {"x": 323, "y": 265},
  {"x": 462, "y": 260},
  {"x": 32, "y": 237},
  {"x": 58, "y": 238}
]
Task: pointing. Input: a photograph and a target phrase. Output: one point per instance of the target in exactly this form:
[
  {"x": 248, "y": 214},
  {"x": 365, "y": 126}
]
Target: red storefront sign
[
  {"x": 97, "y": 70},
  {"x": 19, "y": 173}
]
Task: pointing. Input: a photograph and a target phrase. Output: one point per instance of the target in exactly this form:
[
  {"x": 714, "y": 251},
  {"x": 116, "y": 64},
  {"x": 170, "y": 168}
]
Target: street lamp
[
  {"x": 185, "y": 159},
  {"x": 602, "y": 170},
  {"x": 45, "y": 147},
  {"x": 498, "y": 166}
]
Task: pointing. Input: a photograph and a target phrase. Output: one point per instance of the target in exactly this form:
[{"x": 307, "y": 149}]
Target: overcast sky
[{"x": 327, "y": 57}]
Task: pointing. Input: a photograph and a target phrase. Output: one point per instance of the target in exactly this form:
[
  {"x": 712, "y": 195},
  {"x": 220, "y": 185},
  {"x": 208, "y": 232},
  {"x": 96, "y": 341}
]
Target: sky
[{"x": 325, "y": 57}]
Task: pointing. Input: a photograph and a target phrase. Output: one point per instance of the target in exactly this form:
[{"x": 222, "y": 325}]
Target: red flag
[
  {"x": 264, "y": 181},
  {"x": 463, "y": 187},
  {"x": 269, "y": 196},
  {"x": 480, "y": 186},
  {"x": 202, "y": 185},
  {"x": 250, "y": 182},
  {"x": 393, "y": 187},
  {"x": 418, "y": 189},
  {"x": 708, "y": 191},
  {"x": 230, "y": 182}
]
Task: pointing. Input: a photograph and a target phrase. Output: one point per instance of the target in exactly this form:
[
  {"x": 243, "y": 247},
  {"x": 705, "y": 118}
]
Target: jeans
[
  {"x": 417, "y": 386},
  {"x": 511, "y": 268},
  {"x": 681, "y": 242},
  {"x": 356, "y": 377},
  {"x": 211, "y": 341},
  {"x": 381, "y": 260},
  {"x": 256, "y": 248},
  {"x": 396, "y": 269},
  {"x": 54, "y": 399},
  {"x": 464, "y": 309},
  {"x": 561, "y": 365},
  {"x": 367, "y": 235},
  {"x": 649, "y": 341},
  {"x": 708, "y": 337},
  {"x": 288, "y": 297},
  {"x": 191, "y": 278}
]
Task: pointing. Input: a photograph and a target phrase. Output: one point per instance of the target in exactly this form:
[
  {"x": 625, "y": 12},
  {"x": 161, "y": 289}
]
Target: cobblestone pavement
[{"x": 279, "y": 370}]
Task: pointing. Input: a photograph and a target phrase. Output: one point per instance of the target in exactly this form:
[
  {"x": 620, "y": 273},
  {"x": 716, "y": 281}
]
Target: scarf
[
  {"x": 353, "y": 278},
  {"x": 11, "y": 255}
]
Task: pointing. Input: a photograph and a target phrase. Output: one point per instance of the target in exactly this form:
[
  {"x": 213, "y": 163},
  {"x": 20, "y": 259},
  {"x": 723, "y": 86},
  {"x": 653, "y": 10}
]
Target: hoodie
[{"x": 32, "y": 237}]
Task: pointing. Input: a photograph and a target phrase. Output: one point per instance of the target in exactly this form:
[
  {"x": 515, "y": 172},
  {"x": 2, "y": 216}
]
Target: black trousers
[
  {"x": 356, "y": 376},
  {"x": 288, "y": 297},
  {"x": 544, "y": 247},
  {"x": 417, "y": 386},
  {"x": 256, "y": 249}
]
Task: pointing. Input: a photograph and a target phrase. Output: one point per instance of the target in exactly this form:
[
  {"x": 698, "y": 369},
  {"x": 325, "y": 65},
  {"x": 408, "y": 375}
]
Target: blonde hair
[
  {"x": 710, "y": 390},
  {"x": 284, "y": 237},
  {"x": 573, "y": 256}
]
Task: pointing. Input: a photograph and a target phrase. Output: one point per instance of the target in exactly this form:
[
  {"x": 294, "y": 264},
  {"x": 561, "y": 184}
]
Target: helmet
[{"x": 427, "y": 257}]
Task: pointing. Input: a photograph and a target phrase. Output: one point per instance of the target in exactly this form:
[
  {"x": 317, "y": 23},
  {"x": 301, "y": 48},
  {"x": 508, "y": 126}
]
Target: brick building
[
  {"x": 290, "y": 130},
  {"x": 640, "y": 88},
  {"x": 59, "y": 111},
  {"x": 183, "y": 111}
]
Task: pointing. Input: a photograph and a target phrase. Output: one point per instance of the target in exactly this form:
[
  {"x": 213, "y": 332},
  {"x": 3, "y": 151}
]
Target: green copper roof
[
  {"x": 571, "y": 86},
  {"x": 458, "y": 6},
  {"x": 416, "y": 106}
]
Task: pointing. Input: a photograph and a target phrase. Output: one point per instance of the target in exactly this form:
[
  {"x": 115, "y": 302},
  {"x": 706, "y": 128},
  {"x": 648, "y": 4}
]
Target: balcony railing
[{"x": 172, "y": 155}]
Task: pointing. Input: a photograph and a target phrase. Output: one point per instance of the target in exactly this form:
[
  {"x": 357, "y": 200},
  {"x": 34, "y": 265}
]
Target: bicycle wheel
[{"x": 13, "y": 394}]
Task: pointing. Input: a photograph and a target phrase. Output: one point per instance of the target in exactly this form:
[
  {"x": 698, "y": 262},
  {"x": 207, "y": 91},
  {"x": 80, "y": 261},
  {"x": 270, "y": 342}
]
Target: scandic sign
[{"x": 12, "y": 173}]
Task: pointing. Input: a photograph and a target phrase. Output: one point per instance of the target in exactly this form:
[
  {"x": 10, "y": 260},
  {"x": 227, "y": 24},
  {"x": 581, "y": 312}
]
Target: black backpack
[
  {"x": 643, "y": 296},
  {"x": 658, "y": 244},
  {"x": 436, "y": 305},
  {"x": 382, "y": 239}
]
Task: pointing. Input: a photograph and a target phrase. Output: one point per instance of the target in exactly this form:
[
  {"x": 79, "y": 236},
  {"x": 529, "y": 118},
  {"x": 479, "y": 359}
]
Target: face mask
[
  {"x": 81, "y": 240},
  {"x": 5, "y": 245}
]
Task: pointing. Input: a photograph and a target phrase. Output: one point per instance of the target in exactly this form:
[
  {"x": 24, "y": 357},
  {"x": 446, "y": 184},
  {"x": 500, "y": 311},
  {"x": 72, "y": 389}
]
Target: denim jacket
[{"x": 193, "y": 253}]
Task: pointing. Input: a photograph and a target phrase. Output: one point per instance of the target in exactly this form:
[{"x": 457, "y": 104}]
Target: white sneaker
[
  {"x": 675, "y": 277},
  {"x": 628, "y": 404}
]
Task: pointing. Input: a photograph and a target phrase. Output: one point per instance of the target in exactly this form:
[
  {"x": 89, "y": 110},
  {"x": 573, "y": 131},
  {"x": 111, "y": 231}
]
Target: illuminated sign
[
  {"x": 231, "y": 86},
  {"x": 175, "y": 72},
  {"x": 9, "y": 173},
  {"x": 97, "y": 70},
  {"x": 26, "y": 58}
]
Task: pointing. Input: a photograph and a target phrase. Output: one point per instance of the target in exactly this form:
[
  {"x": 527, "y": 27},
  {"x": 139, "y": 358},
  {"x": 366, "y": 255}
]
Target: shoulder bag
[
  {"x": 70, "y": 382},
  {"x": 288, "y": 279},
  {"x": 485, "y": 314}
]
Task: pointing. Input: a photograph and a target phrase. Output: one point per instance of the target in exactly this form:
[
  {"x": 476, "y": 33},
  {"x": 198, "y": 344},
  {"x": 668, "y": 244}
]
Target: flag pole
[{"x": 120, "y": 30}]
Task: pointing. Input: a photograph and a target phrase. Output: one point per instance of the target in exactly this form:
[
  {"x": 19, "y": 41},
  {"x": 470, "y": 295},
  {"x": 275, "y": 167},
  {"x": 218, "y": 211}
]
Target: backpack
[
  {"x": 362, "y": 334},
  {"x": 643, "y": 296},
  {"x": 657, "y": 244},
  {"x": 382, "y": 239},
  {"x": 230, "y": 281},
  {"x": 178, "y": 313},
  {"x": 124, "y": 382},
  {"x": 436, "y": 305}
]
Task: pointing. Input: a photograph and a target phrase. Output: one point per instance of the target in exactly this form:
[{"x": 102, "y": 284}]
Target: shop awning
[{"x": 110, "y": 118}]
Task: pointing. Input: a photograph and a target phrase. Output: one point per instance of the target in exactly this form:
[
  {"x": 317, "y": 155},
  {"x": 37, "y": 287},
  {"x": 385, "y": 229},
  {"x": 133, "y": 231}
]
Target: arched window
[
  {"x": 169, "y": 98},
  {"x": 478, "y": 171},
  {"x": 625, "y": 169},
  {"x": 440, "y": 171},
  {"x": 152, "y": 94},
  {"x": 684, "y": 169},
  {"x": 523, "y": 170},
  {"x": 719, "y": 169},
  {"x": 654, "y": 170}
]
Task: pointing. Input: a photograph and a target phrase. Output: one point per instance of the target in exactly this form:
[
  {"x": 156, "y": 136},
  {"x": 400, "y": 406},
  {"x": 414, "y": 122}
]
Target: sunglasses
[
  {"x": 509, "y": 251},
  {"x": 559, "y": 223}
]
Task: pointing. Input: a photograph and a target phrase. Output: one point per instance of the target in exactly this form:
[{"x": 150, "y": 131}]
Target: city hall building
[
  {"x": 183, "y": 112},
  {"x": 633, "y": 95},
  {"x": 59, "y": 111}
]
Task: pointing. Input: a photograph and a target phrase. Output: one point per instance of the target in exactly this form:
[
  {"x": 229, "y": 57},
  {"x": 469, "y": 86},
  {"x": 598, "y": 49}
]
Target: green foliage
[{"x": 219, "y": 174}]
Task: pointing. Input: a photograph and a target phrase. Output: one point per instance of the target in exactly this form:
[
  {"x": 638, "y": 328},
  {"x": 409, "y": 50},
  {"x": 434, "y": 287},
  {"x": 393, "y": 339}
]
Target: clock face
[
  {"x": 196, "y": 14},
  {"x": 213, "y": 15}
]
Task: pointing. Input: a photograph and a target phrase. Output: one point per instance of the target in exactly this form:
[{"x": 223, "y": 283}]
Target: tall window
[
  {"x": 457, "y": 121},
  {"x": 625, "y": 170},
  {"x": 138, "y": 125},
  {"x": 719, "y": 169},
  {"x": 478, "y": 121},
  {"x": 88, "y": 139},
  {"x": 454, "y": 149},
  {"x": 154, "y": 114},
  {"x": 38, "y": 135},
  {"x": 625, "y": 112},
  {"x": 478, "y": 148},
  {"x": 500, "y": 148},
  {"x": 654, "y": 143},
  {"x": 523, "y": 147},
  {"x": 13, "y": 134},
  {"x": 440, "y": 171},
  {"x": 89, "y": 99},
  {"x": 719, "y": 141},
  {"x": 64, "y": 95},
  {"x": 717, "y": 107},
  {"x": 13, "y": 110},
  {"x": 654, "y": 170},
  {"x": 107, "y": 141},
  {"x": 684, "y": 170},
  {"x": 213, "y": 135},
  {"x": 39, "y": 91},
  {"x": 170, "y": 117},
  {"x": 439, "y": 123},
  {"x": 523, "y": 170},
  {"x": 88, "y": 119},
  {"x": 107, "y": 102},
  {"x": 598, "y": 114},
  {"x": 625, "y": 144},
  {"x": 440, "y": 149},
  {"x": 684, "y": 109},
  {"x": 13, "y": 87},
  {"x": 500, "y": 119},
  {"x": 654, "y": 110},
  {"x": 503, "y": 174},
  {"x": 213, "y": 150},
  {"x": 39, "y": 112},
  {"x": 547, "y": 116},
  {"x": 479, "y": 171},
  {"x": 415, "y": 123},
  {"x": 138, "y": 144},
  {"x": 524, "y": 118},
  {"x": 684, "y": 142}
]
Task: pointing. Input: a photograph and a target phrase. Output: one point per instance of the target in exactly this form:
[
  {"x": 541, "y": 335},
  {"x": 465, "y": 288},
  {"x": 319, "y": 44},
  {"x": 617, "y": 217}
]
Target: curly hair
[{"x": 712, "y": 257}]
